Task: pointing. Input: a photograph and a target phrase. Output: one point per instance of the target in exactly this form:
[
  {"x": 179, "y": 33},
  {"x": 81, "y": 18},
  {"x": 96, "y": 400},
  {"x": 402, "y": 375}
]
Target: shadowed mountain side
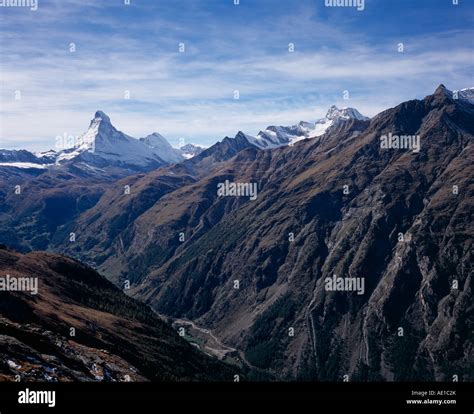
[
  {"x": 116, "y": 338},
  {"x": 400, "y": 219}
]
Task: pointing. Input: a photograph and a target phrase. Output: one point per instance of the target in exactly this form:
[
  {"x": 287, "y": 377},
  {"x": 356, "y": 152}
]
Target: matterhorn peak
[
  {"x": 102, "y": 116},
  {"x": 100, "y": 120}
]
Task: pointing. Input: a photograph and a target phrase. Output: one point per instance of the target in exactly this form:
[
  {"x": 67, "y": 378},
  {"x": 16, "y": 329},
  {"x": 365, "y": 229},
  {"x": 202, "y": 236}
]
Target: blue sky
[{"x": 190, "y": 95}]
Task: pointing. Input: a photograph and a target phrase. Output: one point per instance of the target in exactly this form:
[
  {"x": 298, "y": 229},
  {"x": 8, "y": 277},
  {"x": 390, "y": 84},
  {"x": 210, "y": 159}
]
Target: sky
[{"x": 68, "y": 58}]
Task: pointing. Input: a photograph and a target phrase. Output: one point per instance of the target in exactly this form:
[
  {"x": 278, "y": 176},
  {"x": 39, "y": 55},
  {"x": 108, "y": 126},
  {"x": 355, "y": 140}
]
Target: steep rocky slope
[
  {"x": 255, "y": 272},
  {"x": 79, "y": 327}
]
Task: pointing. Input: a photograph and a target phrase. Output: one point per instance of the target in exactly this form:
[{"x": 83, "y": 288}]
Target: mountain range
[
  {"x": 249, "y": 278},
  {"x": 103, "y": 146},
  {"x": 63, "y": 184}
]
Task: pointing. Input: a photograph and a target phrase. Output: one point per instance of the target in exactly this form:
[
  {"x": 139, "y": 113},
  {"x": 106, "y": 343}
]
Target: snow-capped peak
[
  {"x": 191, "y": 150},
  {"x": 345, "y": 113},
  {"x": 161, "y": 147},
  {"x": 104, "y": 143},
  {"x": 277, "y": 136},
  {"x": 87, "y": 141},
  {"x": 154, "y": 140},
  {"x": 100, "y": 118},
  {"x": 100, "y": 115}
]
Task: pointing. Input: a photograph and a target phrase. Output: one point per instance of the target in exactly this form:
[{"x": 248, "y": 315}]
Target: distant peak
[
  {"x": 344, "y": 113},
  {"x": 441, "y": 90},
  {"x": 155, "y": 139},
  {"x": 332, "y": 112}
]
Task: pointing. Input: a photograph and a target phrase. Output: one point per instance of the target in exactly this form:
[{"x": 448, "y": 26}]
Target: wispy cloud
[{"x": 135, "y": 48}]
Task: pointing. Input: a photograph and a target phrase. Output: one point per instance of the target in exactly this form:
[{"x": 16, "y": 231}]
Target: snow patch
[
  {"x": 467, "y": 94},
  {"x": 24, "y": 165}
]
